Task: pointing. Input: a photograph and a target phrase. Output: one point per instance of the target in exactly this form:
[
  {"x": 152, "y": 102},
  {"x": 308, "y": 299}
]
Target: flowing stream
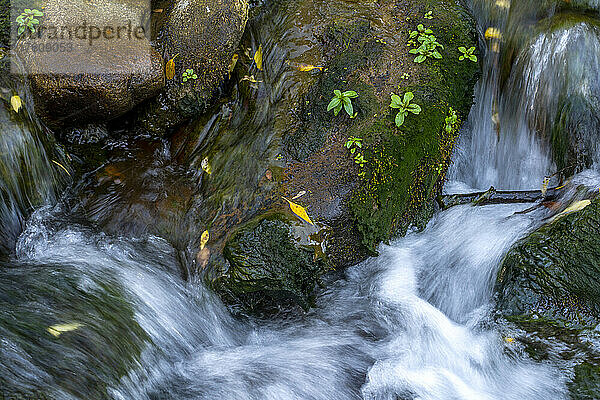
[{"x": 414, "y": 323}]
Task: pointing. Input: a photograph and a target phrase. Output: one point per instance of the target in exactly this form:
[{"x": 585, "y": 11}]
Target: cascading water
[{"x": 414, "y": 323}]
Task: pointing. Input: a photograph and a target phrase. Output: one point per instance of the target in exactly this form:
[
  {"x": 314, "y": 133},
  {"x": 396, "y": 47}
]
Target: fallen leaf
[
  {"x": 249, "y": 79},
  {"x": 258, "y": 58},
  {"x": 574, "y": 207},
  {"x": 56, "y": 330},
  {"x": 503, "y": 4},
  {"x": 545, "y": 184},
  {"x": 232, "y": 63},
  {"x": 62, "y": 166},
  {"x": 170, "y": 68},
  {"x": 308, "y": 67},
  {"x": 157, "y": 10},
  {"x": 300, "y": 194},
  {"x": 269, "y": 175},
  {"x": 204, "y": 239},
  {"x": 299, "y": 211},
  {"x": 16, "y": 103},
  {"x": 509, "y": 340},
  {"x": 493, "y": 33},
  {"x": 206, "y": 166}
]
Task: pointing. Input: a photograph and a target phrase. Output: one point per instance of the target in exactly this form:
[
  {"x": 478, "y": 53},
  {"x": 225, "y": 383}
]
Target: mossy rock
[
  {"x": 405, "y": 166},
  {"x": 299, "y": 147},
  {"x": 268, "y": 266},
  {"x": 201, "y": 35},
  {"x": 554, "y": 273},
  {"x": 83, "y": 362}
]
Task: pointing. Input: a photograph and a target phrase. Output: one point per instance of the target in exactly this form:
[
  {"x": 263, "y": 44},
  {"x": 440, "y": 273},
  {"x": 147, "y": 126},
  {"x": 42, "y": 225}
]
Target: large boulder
[
  {"x": 277, "y": 140},
  {"x": 201, "y": 35},
  {"x": 554, "y": 273},
  {"x": 90, "y": 61}
]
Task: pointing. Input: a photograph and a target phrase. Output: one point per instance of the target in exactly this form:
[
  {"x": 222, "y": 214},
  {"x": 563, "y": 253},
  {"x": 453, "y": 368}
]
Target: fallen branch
[{"x": 493, "y": 196}]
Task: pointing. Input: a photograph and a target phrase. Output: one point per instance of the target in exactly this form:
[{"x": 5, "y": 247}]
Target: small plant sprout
[
  {"x": 467, "y": 53},
  {"x": 354, "y": 144},
  {"x": 428, "y": 15},
  {"x": 342, "y": 100},
  {"x": 404, "y": 106},
  {"x": 28, "y": 20},
  {"x": 188, "y": 74},
  {"x": 405, "y": 76},
  {"x": 451, "y": 120}
]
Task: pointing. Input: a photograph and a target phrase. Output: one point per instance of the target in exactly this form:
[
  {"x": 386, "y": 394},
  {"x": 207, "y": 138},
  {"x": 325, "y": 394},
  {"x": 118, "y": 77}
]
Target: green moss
[
  {"x": 403, "y": 175},
  {"x": 586, "y": 383},
  {"x": 555, "y": 273},
  {"x": 268, "y": 267},
  {"x": 316, "y": 123}
]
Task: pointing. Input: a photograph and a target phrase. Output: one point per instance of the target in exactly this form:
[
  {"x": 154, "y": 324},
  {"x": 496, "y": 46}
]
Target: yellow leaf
[
  {"x": 170, "y": 68},
  {"x": 299, "y": 211},
  {"x": 258, "y": 58},
  {"x": 206, "y": 166},
  {"x": 545, "y": 184},
  {"x": 509, "y": 340},
  {"x": 204, "y": 239},
  {"x": 56, "y": 330},
  {"x": 493, "y": 33},
  {"x": 503, "y": 4},
  {"x": 576, "y": 206},
  {"x": 232, "y": 63},
  {"x": 249, "y": 79},
  {"x": 62, "y": 166},
  {"x": 16, "y": 103},
  {"x": 308, "y": 67}
]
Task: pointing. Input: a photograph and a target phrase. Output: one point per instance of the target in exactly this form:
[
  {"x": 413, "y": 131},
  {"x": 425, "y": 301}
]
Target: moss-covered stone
[
  {"x": 83, "y": 362},
  {"x": 268, "y": 266},
  {"x": 555, "y": 272}
]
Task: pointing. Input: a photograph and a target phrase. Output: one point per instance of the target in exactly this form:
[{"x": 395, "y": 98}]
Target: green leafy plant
[
  {"x": 451, "y": 120},
  {"x": 428, "y": 15},
  {"x": 342, "y": 100},
  {"x": 428, "y": 44},
  {"x": 404, "y": 106},
  {"x": 427, "y": 49},
  {"x": 188, "y": 74},
  {"x": 28, "y": 20},
  {"x": 467, "y": 53},
  {"x": 354, "y": 144}
]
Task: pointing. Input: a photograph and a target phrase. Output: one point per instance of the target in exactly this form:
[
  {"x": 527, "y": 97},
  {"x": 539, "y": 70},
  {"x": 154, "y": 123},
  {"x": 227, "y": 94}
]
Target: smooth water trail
[{"x": 414, "y": 323}]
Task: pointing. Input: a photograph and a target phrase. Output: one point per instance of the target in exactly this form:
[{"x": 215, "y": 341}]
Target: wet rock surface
[{"x": 555, "y": 272}]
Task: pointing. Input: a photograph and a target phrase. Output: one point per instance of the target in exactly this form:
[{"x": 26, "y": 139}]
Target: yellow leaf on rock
[
  {"x": 206, "y": 166},
  {"x": 16, "y": 103},
  {"x": 299, "y": 211},
  {"x": 308, "y": 67},
  {"x": 56, "y": 330},
  {"x": 509, "y": 340},
  {"x": 204, "y": 239},
  {"x": 170, "y": 68},
  {"x": 232, "y": 63},
  {"x": 576, "y": 206},
  {"x": 258, "y": 58}
]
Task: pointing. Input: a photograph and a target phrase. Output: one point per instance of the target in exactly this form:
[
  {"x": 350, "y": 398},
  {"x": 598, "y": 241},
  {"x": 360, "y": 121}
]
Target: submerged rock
[
  {"x": 269, "y": 266},
  {"x": 554, "y": 273}
]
